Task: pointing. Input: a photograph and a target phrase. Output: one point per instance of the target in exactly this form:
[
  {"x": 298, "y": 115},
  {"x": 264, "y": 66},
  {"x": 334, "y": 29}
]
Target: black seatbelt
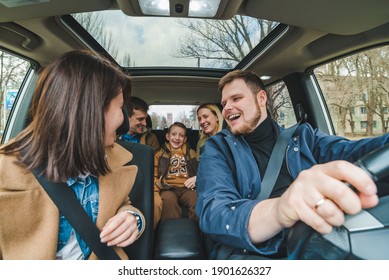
[
  {"x": 275, "y": 162},
  {"x": 62, "y": 195}
]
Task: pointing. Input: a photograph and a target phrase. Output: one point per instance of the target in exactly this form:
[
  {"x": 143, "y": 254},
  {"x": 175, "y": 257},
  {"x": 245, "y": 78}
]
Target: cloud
[{"x": 150, "y": 41}]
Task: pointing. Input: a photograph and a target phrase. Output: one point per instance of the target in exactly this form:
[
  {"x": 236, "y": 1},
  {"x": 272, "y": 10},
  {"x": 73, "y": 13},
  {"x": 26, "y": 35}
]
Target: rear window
[
  {"x": 279, "y": 105},
  {"x": 162, "y": 116}
]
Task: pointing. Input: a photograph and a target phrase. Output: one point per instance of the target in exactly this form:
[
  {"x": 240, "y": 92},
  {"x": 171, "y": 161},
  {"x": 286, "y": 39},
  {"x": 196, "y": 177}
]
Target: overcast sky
[{"x": 150, "y": 41}]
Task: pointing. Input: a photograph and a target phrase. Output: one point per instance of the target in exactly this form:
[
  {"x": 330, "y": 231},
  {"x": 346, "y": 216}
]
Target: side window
[
  {"x": 12, "y": 73},
  {"x": 356, "y": 90},
  {"x": 280, "y": 105}
]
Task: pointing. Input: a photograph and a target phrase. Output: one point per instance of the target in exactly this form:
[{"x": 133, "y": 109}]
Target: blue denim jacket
[
  {"x": 86, "y": 190},
  {"x": 228, "y": 179}
]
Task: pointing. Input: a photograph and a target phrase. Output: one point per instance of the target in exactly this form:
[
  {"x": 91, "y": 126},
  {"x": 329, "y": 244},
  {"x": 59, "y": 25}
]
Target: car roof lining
[
  {"x": 337, "y": 17},
  {"x": 343, "y": 17}
]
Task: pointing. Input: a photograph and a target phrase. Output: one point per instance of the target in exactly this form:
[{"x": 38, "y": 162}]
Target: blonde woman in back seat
[{"x": 211, "y": 122}]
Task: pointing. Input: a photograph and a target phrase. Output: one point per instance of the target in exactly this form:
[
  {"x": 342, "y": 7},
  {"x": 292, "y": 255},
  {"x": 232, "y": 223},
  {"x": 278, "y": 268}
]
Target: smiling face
[
  {"x": 137, "y": 122},
  {"x": 176, "y": 136},
  {"x": 113, "y": 119},
  {"x": 208, "y": 121},
  {"x": 242, "y": 110}
]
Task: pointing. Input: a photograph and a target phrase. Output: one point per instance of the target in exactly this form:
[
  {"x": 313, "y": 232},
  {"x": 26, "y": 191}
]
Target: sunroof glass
[{"x": 175, "y": 42}]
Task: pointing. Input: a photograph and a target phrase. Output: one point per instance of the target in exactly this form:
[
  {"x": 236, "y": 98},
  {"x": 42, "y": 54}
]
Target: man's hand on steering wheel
[{"x": 320, "y": 198}]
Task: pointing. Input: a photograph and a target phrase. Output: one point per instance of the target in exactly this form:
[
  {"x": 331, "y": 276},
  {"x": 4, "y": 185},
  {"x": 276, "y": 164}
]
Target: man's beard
[{"x": 251, "y": 124}]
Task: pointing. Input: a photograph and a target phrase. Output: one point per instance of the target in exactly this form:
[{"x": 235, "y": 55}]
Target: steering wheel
[{"x": 362, "y": 236}]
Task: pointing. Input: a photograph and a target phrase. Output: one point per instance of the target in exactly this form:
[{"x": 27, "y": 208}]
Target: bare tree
[
  {"x": 375, "y": 69},
  {"x": 163, "y": 122},
  {"x": 222, "y": 43},
  {"x": 126, "y": 60},
  {"x": 336, "y": 80},
  {"x": 372, "y": 74},
  {"x": 193, "y": 117},
  {"x": 156, "y": 120},
  {"x": 12, "y": 73},
  {"x": 277, "y": 99},
  {"x": 94, "y": 23},
  {"x": 359, "y": 79},
  {"x": 184, "y": 118}
]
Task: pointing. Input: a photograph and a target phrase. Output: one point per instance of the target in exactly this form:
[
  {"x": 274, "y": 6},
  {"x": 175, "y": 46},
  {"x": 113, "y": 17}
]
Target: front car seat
[{"x": 142, "y": 197}]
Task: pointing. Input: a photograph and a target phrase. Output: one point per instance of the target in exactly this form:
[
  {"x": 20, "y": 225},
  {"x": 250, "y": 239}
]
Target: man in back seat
[{"x": 140, "y": 133}]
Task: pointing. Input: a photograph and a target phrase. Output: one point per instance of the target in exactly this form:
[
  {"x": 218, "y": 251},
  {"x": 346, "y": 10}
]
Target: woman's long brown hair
[{"x": 66, "y": 134}]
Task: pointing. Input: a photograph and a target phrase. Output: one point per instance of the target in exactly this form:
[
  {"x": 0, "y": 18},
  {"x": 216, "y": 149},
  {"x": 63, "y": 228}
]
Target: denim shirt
[
  {"x": 86, "y": 190},
  {"x": 135, "y": 138},
  {"x": 228, "y": 180}
]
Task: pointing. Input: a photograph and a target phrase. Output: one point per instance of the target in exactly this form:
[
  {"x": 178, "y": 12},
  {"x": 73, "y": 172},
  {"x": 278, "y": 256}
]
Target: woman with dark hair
[{"x": 76, "y": 109}]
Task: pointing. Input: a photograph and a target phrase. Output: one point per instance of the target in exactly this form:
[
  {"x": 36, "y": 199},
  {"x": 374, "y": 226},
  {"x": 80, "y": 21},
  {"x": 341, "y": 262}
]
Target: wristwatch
[{"x": 139, "y": 220}]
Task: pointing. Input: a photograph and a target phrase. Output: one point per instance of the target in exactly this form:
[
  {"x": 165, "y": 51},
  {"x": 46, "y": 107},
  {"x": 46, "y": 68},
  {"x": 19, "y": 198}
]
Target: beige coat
[{"x": 29, "y": 219}]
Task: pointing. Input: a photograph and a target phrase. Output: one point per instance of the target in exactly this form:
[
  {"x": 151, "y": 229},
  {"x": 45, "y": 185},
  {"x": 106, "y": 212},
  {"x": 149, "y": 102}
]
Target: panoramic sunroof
[{"x": 175, "y": 42}]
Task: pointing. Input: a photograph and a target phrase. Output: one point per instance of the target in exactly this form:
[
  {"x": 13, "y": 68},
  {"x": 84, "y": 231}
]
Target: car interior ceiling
[{"x": 326, "y": 32}]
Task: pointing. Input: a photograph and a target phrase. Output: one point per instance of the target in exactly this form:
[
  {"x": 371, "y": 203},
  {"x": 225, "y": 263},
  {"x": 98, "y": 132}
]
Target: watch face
[{"x": 138, "y": 217}]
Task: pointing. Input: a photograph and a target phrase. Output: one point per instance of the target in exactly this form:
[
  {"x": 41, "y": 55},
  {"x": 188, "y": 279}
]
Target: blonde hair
[{"x": 215, "y": 110}]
